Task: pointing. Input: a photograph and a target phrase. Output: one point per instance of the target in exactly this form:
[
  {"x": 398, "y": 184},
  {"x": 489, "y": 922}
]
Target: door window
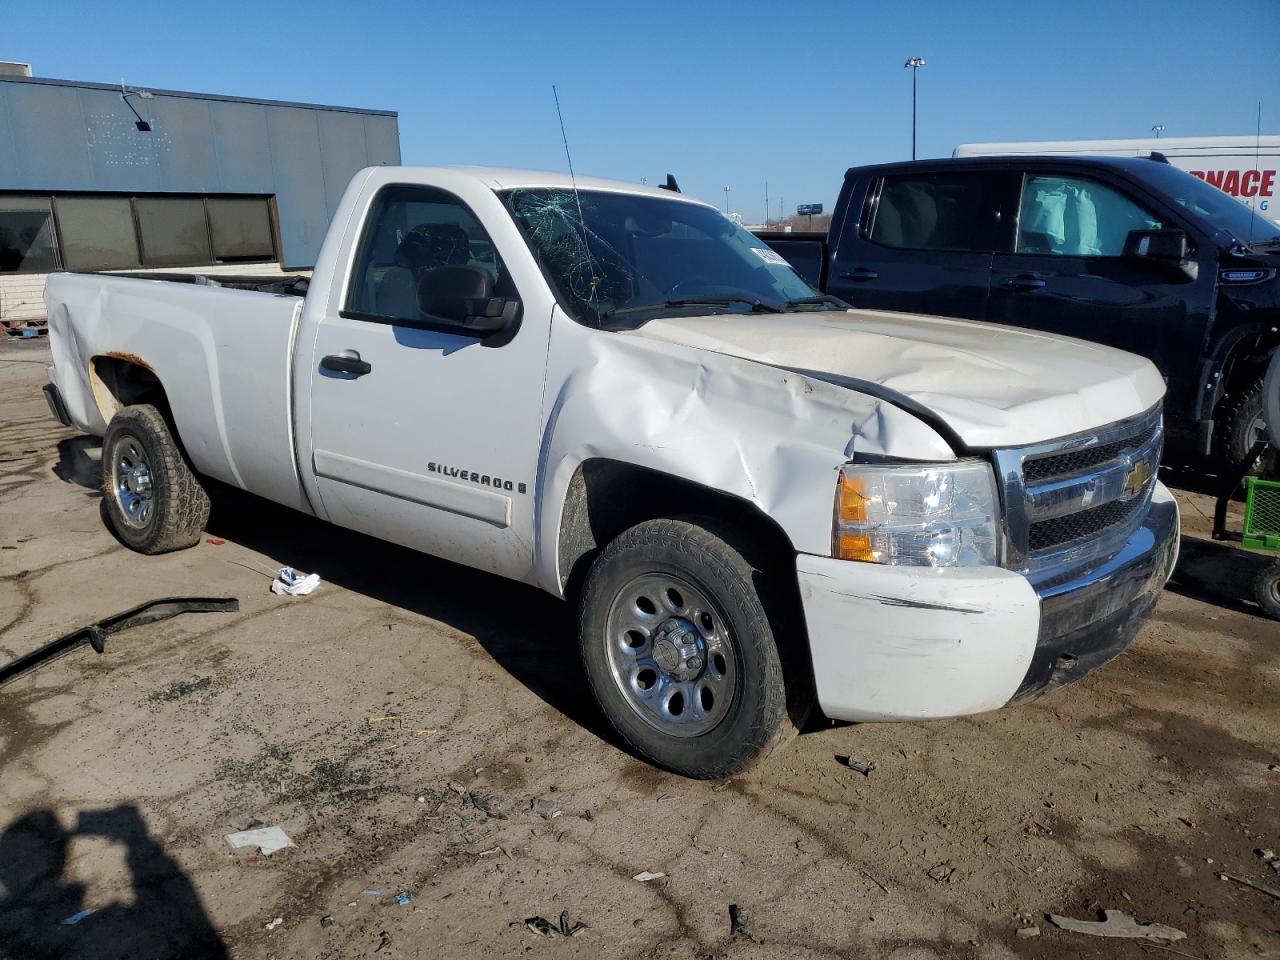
[
  {"x": 410, "y": 232},
  {"x": 938, "y": 211},
  {"x": 1076, "y": 217}
]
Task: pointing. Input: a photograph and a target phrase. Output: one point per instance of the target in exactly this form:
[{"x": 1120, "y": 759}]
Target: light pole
[
  {"x": 726, "y": 199},
  {"x": 1158, "y": 129},
  {"x": 915, "y": 63}
]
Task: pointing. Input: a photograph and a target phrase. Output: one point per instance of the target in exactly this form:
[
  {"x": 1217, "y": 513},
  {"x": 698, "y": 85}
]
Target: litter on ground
[
  {"x": 289, "y": 581},
  {"x": 1117, "y": 924},
  {"x": 267, "y": 839}
]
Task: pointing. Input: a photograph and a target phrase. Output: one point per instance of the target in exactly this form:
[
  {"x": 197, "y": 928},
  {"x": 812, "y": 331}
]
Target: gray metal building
[{"x": 99, "y": 177}]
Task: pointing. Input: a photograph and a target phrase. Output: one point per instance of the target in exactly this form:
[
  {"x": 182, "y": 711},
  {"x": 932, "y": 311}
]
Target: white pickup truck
[{"x": 759, "y": 499}]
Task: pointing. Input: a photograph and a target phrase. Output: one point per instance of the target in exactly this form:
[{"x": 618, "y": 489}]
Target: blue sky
[{"x": 717, "y": 93}]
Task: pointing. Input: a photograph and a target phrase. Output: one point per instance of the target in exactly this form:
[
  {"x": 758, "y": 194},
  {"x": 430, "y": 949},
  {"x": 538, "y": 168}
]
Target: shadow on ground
[
  {"x": 162, "y": 918},
  {"x": 1220, "y": 574},
  {"x": 527, "y": 632}
]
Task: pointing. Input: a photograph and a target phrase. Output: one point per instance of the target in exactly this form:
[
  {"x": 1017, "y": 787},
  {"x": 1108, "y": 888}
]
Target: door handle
[
  {"x": 348, "y": 362},
  {"x": 860, "y": 274},
  {"x": 1023, "y": 281}
]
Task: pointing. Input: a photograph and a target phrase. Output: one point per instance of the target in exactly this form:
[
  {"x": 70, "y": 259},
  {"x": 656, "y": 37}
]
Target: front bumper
[{"x": 903, "y": 643}]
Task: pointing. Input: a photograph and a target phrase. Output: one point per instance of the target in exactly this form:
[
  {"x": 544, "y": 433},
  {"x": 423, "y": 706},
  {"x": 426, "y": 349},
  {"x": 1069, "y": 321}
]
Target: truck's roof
[
  {"x": 505, "y": 178},
  {"x": 999, "y": 161}
]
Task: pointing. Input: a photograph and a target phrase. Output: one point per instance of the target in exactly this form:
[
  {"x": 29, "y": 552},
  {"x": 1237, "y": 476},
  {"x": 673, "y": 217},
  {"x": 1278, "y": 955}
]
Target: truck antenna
[
  {"x": 582, "y": 223},
  {"x": 1257, "y": 152}
]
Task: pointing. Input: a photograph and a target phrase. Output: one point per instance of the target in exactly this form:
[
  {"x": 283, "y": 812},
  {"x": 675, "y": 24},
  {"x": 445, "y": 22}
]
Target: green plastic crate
[{"x": 1262, "y": 514}]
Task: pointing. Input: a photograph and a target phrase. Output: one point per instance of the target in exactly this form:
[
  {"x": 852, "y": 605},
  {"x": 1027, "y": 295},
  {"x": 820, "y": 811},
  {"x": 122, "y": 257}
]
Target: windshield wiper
[
  {"x": 1268, "y": 242},
  {"x": 821, "y": 298},
  {"x": 757, "y": 305}
]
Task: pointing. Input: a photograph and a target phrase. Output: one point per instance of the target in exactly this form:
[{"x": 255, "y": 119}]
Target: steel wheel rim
[
  {"x": 133, "y": 483},
  {"x": 671, "y": 654}
]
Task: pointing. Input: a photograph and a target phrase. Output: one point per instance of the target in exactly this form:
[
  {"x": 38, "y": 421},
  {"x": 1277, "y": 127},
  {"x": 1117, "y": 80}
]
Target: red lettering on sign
[
  {"x": 1214, "y": 177},
  {"x": 1268, "y": 183},
  {"x": 1249, "y": 183},
  {"x": 1197, "y": 173},
  {"x": 1231, "y": 183}
]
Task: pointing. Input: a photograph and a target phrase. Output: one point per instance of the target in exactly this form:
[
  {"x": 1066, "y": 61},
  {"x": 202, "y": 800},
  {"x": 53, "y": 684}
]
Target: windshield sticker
[{"x": 770, "y": 256}]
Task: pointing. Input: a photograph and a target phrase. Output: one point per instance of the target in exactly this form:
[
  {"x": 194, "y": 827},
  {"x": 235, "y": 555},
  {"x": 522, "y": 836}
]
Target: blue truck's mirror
[{"x": 1167, "y": 249}]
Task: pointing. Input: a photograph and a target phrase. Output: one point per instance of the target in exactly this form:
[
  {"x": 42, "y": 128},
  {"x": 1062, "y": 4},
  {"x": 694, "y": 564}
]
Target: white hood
[{"x": 994, "y": 386}]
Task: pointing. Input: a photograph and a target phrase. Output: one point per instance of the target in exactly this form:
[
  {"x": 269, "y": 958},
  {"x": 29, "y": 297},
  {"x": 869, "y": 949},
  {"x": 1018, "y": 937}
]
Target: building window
[
  {"x": 26, "y": 236},
  {"x": 115, "y": 232},
  {"x": 97, "y": 233},
  {"x": 240, "y": 230},
  {"x": 174, "y": 232}
]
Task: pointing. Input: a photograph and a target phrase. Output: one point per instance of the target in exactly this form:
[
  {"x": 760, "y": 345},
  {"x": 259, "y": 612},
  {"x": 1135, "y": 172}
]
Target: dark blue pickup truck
[{"x": 1129, "y": 252}]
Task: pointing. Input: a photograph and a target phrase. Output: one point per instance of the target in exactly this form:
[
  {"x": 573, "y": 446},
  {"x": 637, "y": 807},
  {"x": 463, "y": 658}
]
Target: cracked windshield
[{"x": 627, "y": 259}]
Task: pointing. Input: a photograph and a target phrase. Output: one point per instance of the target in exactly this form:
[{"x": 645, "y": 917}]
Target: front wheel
[
  {"x": 680, "y": 650},
  {"x": 153, "y": 499}
]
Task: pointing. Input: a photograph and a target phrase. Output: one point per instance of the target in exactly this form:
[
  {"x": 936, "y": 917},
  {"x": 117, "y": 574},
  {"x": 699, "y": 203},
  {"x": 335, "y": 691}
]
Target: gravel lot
[{"x": 499, "y": 795}]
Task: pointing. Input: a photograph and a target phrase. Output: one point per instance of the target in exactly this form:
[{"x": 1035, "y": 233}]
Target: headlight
[{"x": 925, "y": 515}]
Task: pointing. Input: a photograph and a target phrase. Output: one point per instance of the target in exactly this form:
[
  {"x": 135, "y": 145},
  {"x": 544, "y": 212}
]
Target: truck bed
[
  {"x": 229, "y": 345},
  {"x": 263, "y": 283}
]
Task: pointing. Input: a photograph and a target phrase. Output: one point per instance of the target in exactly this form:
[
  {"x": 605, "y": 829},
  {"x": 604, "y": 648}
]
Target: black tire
[
  {"x": 1240, "y": 430},
  {"x": 711, "y": 558},
  {"x": 1266, "y": 589},
  {"x": 178, "y": 505}
]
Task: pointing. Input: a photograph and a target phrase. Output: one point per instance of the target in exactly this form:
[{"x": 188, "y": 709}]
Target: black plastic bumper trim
[
  {"x": 56, "y": 405},
  {"x": 1082, "y": 629}
]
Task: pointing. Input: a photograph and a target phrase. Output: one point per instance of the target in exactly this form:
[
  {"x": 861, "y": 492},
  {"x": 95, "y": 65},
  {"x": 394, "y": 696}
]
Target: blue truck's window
[
  {"x": 411, "y": 230},
  {"x": 951, "y": 211},
  {"x": 1077, "y": 217}
]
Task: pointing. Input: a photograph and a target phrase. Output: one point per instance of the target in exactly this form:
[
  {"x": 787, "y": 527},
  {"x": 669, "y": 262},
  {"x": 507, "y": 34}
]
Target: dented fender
[{"x": 775, "y": 438}]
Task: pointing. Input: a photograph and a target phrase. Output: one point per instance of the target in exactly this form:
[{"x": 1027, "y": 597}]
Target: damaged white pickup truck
[{"x": 759, "y": 499}]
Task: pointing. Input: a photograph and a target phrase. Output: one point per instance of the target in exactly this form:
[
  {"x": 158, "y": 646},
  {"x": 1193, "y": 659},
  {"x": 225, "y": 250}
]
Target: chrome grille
[
  {"x": 1077, "y": 526},
  {"x": 1072, "y": 501}
]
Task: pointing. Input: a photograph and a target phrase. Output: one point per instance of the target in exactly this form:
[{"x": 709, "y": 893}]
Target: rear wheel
[
  {"x": 680, "y": 649},
  {"x": 153, "y": 499}
]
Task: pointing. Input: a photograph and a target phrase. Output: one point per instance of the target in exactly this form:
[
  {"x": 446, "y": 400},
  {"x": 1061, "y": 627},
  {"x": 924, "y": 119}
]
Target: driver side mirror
[
  {"x": 1167, "y": 250},
  {"x": 459, "y": 299}
]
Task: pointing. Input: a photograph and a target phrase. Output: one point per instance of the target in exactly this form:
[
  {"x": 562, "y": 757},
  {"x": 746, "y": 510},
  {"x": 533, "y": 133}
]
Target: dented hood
[{"x": 993, "y": 386}]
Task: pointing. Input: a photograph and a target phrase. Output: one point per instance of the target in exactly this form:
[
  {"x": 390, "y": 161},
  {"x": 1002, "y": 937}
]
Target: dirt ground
[{"x": 499, "y": 794}]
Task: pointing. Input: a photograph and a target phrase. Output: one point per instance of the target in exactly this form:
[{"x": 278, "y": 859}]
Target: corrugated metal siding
[{"x": 57, "y": 136}]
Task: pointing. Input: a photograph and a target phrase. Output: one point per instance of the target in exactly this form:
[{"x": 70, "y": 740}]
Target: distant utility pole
[
  {"x": 766, "y": 204},
  {"x": 726, "y": 199},
  {"x": 1157, "y": 130},
  {"x": 915, "y": 63}
]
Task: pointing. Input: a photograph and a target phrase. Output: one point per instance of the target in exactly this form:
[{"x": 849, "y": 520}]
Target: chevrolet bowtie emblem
[{"x": 1136, "y": 479}]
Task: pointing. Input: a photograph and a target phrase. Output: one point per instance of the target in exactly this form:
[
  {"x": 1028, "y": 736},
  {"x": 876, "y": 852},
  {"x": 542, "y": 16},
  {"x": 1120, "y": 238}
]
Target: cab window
[
  {"x": 938, "y": 211},
  {"x": 1076, "y": 217},
  {"x": 410, "y": 232}
]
